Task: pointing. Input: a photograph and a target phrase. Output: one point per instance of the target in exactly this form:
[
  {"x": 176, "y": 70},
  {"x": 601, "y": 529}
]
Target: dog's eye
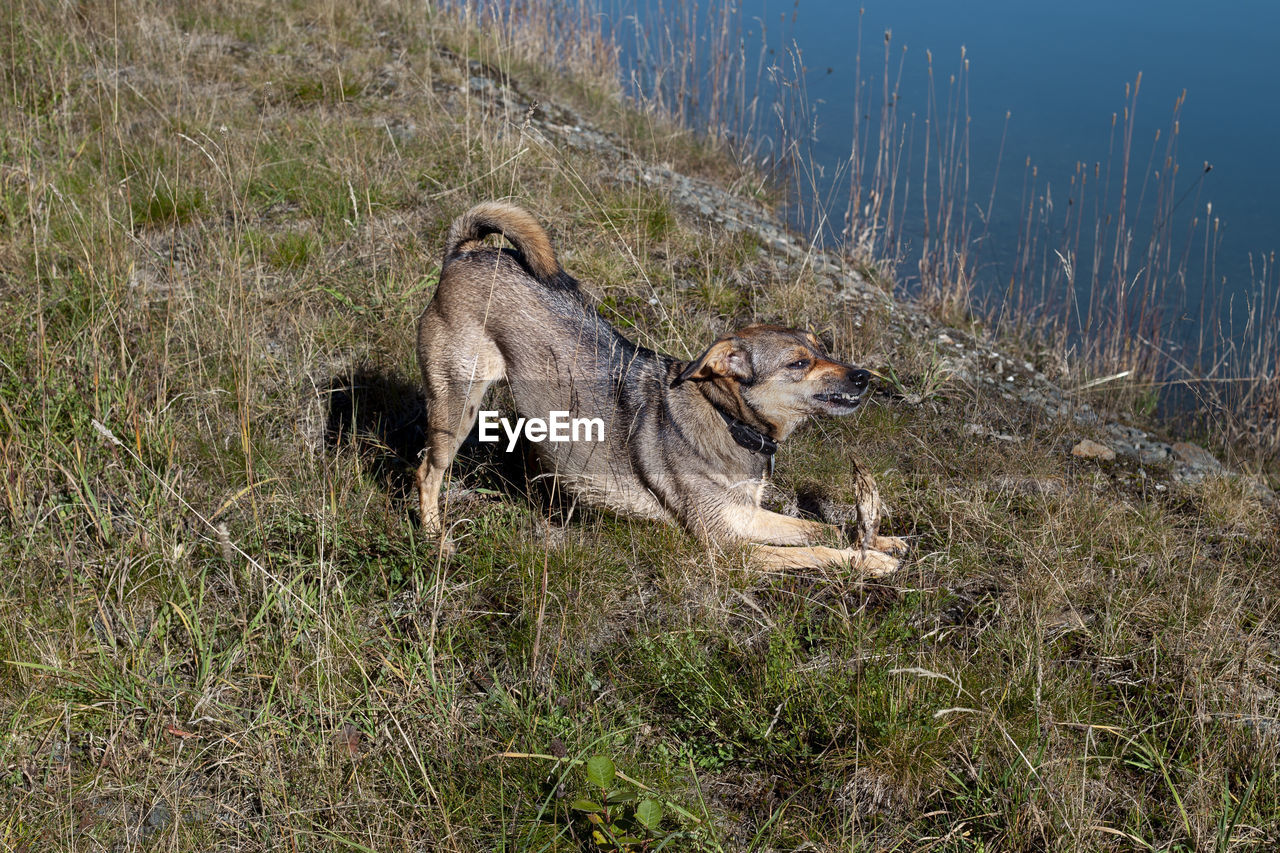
[{"x": 799, "y": 365}]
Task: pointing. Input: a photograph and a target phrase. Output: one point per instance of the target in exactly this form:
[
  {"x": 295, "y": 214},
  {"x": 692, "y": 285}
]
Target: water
[{"x": 1059, "y": 72}]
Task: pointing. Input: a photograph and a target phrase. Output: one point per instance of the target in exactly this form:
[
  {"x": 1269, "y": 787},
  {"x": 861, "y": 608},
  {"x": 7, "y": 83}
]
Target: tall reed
[{"x": 1102, "y": 269}]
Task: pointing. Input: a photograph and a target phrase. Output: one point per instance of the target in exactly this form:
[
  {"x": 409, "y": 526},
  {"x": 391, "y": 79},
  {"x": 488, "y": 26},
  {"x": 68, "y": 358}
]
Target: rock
[
  {"x": 1196, "y": 456},
  {"x": 1153, "y": 453},
  {"x": 1194, "y": 464},
  {"x": 1088, "y": 449}
]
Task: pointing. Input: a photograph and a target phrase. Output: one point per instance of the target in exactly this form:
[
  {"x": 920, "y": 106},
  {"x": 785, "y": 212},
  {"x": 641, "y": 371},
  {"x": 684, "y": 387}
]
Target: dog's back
[{"x": 514, "y": 314}]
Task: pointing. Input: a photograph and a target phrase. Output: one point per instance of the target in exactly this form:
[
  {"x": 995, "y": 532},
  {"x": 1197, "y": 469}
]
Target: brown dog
[{"x": 690, "y": 442}]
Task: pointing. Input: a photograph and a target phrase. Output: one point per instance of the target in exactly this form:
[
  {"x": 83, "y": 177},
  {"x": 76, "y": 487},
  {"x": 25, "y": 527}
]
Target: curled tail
[{"x": 514, "y": 223}]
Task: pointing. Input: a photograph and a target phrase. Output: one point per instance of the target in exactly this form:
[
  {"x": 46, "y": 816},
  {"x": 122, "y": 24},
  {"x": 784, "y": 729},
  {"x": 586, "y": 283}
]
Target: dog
[{"x": 690, "y": 442}]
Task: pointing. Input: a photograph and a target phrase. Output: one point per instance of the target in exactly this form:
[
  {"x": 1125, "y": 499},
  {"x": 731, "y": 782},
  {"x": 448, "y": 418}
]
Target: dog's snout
[{"x": 860, "y": 379}]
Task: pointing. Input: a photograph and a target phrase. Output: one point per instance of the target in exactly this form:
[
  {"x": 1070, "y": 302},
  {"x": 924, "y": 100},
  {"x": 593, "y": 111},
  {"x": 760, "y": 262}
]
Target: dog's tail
[{"x": 519, "y": 228}]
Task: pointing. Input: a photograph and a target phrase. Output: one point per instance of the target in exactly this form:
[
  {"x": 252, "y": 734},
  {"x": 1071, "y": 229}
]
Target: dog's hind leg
[{"x": 455, "y": 389}]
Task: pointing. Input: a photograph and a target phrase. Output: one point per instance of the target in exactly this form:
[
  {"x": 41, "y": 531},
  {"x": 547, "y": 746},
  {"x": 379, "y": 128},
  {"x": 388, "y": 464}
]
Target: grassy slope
[{"x": 217, "y": 225}]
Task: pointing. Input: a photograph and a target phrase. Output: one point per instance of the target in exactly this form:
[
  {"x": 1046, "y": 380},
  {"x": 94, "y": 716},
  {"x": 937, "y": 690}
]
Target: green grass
[{"x": 222, "y": 629}]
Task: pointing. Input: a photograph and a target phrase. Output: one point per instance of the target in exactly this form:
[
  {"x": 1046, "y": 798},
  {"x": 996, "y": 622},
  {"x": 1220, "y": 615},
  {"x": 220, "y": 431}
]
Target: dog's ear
[{"x": 726, "y": 357}]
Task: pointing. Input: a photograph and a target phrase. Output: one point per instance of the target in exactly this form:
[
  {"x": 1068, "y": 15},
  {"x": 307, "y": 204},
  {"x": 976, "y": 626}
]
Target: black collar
[{"x": 749, "y": 437}]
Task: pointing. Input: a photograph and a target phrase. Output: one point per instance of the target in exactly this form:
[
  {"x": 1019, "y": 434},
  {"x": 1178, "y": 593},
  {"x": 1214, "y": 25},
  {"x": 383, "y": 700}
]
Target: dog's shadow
[{"x": 382, "y": 417}]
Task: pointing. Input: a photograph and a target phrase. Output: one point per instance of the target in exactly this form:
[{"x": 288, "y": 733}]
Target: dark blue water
[
  {"x": 1043, "y": 84},
  {"x": 1061, "y": 70}
]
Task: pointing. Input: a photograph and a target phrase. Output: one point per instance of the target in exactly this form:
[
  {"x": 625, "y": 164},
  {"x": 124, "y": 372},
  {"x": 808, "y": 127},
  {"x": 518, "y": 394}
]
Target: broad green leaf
[
  {"x": 649, "y": 813},
  {"x": 581, "y": 805},
  {"x": 600, "y": 771}
]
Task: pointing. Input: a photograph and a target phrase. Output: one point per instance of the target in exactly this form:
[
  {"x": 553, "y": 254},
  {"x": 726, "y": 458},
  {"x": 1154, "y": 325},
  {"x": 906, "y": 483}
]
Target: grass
[{"x": 220, "y": 629}]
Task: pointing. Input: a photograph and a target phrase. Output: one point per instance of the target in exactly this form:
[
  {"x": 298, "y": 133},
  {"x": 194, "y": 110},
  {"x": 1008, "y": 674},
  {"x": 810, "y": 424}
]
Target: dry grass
[{"x": 218, "y": 629}]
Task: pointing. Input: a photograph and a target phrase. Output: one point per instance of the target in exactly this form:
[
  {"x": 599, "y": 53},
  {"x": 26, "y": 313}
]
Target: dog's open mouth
[{"x": 838, "y": 402}]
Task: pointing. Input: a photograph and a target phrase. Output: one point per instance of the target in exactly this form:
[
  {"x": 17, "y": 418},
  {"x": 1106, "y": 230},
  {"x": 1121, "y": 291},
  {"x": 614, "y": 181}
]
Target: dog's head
[{"x": 783, "y": 375}]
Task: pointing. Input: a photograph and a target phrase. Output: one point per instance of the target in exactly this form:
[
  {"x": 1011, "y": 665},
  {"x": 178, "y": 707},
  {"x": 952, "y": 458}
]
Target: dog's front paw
[
  {"x": 438, "y": 536},
  {"x": 889, "y": 544},
  {"x": 873, "y": 564}
]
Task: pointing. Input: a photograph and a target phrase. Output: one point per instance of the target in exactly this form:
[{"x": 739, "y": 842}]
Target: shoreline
[{"x": 967, "y": 358}]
